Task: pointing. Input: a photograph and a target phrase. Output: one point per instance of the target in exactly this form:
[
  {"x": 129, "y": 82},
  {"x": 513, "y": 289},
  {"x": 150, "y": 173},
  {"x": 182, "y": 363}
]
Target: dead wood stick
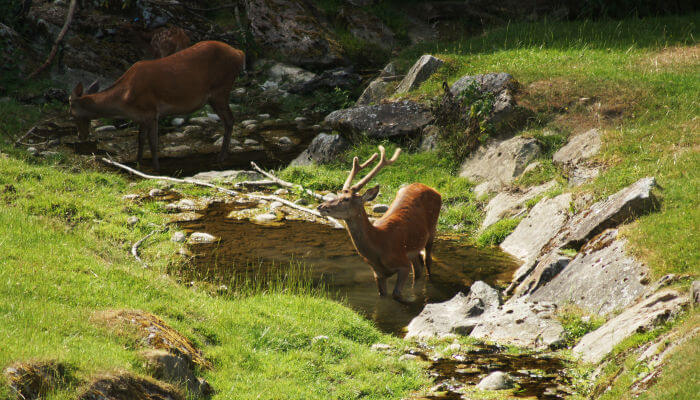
[
  {"x": 135, "y": 248},
  {"x": 286, "y": 202},
  {"x": 254, "y": 184},
  {"x": 29, "y": 133},
  {"x": 286, "y": 184},
  {"x": 168, "y": 178},
  {"x": 59, "y": 38}
]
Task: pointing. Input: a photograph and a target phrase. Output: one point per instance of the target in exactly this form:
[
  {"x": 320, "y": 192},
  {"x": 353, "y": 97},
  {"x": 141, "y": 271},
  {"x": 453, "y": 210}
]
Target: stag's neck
[
  {"x": 362, "y": 233},
  {"x": 104, "y": 104}
]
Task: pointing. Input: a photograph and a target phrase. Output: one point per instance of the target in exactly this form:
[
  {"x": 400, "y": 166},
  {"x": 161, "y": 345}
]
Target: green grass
[{"x": 497, "y": 232}]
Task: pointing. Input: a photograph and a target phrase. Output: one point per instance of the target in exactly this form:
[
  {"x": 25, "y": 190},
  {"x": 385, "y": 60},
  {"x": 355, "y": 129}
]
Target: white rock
[
  {"x": 267, "y": 217},
  {"x": 249, "y": 122},
  {"x": 275, "y": 205},
  {"x": 300, "y": 120},
  {"x": 178, "y": 237},
  {"x": 250, "y": 142},
  {"x": 105, "y": 128},
  {"x": 32, "y": 150},
  {"x": 186, "y": 205},
  {"x": 201, "y": 120},
  {"x": 496, "y": 380},
  {"x": 177, "y": 121},
  {"x": 202, "y": 237},
  {"x": 213, "y": 117},
  {"x": 263, "y": 116},
  {"x": 280, "y": 192},
  {"x": 239, "y": 92},
  {"x": 285, "y": 141},
  {"x": 156, "y": 192},
  {"x": 133, "y": 220}
]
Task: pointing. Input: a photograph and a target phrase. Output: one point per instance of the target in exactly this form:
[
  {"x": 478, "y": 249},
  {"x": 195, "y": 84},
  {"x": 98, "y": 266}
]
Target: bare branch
[
  {"x": 297, "y": 206},
  {"x": 285, "y": 183},
  {"x": 135, "y": 247},
  {"x": 59, "y": 38}
]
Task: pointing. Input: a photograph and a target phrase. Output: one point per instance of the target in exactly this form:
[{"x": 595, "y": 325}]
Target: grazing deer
[
  {"x": 174, "y": 85},
  {"x": 167, "y": 41},
  {"x": 394, "y": 242}
]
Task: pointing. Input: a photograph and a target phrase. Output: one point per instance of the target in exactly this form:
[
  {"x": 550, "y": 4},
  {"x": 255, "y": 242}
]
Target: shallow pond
[{"x": 334, "y": 263}]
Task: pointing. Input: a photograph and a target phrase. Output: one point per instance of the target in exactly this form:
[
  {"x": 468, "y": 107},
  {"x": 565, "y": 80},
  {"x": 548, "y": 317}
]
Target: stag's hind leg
[
  {"x": 220, "y": 105},
  {"x": 152, "y": 133},
  {"x": 418, "y": 266},
  {"x": 429, "y": 253}
]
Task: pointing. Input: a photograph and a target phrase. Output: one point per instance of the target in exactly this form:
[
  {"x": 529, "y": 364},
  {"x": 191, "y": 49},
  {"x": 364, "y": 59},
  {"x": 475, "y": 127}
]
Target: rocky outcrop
[
  {"x": 521, "y": 323},
  {"x": 617, "y": 209},
  {"x": 381, "y": 87},
  {"x": 324, "y": 148},
  {"x": 342, "y": 78},
  {"x": 419, "y": 73},
  {"x": 388, "y": 120},
  {"x": 602, "y": 278},
  {"x": 500, "y": 162},
  {"x": 294, "y": 29},
  {"x": 500, "y": 85},
  {"x": 641, "y": 317},
  {"x": 544, "y": 271},
  {"x": 574, "y": 156},
  {"x": 537, "y": 229},
  {"x": 508, "y": 204},
  {"x": 457, "y": 315}
]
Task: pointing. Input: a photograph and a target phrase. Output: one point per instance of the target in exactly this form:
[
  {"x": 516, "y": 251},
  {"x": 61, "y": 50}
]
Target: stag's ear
[
  {"x": 77, "y": 90},
  {"x": 94, "y": 87},
  {"x": 370, "y": 194}
]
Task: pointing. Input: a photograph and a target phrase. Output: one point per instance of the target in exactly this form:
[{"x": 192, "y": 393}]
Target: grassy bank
[{"x": 64, "y": 242}]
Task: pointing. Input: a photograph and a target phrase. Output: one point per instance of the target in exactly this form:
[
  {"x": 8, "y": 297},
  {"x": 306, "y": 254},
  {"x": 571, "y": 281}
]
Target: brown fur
[
  {"x": 174, "y": 85},
  {"x": 167, "y": 41}
]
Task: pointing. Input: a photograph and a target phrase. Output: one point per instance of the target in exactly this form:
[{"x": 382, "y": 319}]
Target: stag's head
[
  {"x": 77, "y": 109},
  {"x": 350, "y": 202}
]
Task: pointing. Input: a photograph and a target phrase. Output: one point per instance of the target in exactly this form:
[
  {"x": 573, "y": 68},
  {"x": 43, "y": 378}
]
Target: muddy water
[{"x": 334, "y": 263}]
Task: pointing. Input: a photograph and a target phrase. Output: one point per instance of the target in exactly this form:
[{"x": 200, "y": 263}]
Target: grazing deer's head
[
  {"x": 349, "y": 202},
  {"x": 77, "y": 108}
]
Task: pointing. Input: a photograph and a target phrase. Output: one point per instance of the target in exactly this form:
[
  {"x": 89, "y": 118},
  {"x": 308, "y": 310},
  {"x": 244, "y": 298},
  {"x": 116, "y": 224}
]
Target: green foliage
[
  {"x": 497, "y": 232},
  {"x": 328, "y": 101},
  {"x": 576, "y": 324},
  {"x": 363, "y": 53},
  {"x": 544, "y": 172}
]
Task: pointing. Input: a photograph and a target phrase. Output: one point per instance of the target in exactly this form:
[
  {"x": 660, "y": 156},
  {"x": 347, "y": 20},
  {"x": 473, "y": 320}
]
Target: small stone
[
  {"x": 213, "y": 117},
  {"x": 381, "y": 347},
  {"x": 263, "y": 116},
  {"x": 379, "y": 208},
  {"x": 201, "y": 120},
  {"x": 300, "y": 120},
  {"x": 496, "y": 381},
  {"x": 177, "y": 121},
  {"x": 275, "y": 205},
  {"x": 250, "y": 142},
  {"x": 106, "y": 128},
  {"x": 329, "y": 197},
  {"x": 202, "y": 237},
  {"x": 178, "y": 237},
  {"x": 249, "y": 122},
  {"x": 186, "y": 205},
  {"x": 285, "y": 141},
  {"x": 317, "y": 127},
  {"x": 131, "y": 196},
  {"x": 156, "y": 192},
  {"x": 267, "y": 217},
  {"x": 133, "y": 220},
  {"x": 239, "y": 91},
  {"x": 280, "y": 192},
  {"x": 250, "y": 128},
  {"x": 192, "y": 129},
  {"x": 302, "y": 202},
  {"x": 32, "y": 150}
]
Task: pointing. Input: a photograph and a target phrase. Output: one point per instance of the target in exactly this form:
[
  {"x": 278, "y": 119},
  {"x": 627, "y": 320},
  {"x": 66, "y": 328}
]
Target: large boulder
[
  {"x": 545, "y": 269},
  {"x": 574, "y": 157},
  {"x": 381, "y": 87},
  {"x": 500, "y": 85},
  {"x": 506, "y": 204},
  {"x": 387, "y": 120},
  {"x": 285, "y": 75},
  {"x": 521, "y": 323},
  {"x": 457, "y": 315},
  {"x": 342, "y": 78},
  {"x": 617, "y": 209},
  {"x": 419, "y": 73},
  {"x": 294, "y": 29},
  {"x": 537, "y": 229},
  {"x": 641, "y": 317},
  {"x": 500, "y": 162},
  {"x": 324, "y": 148},
  {"x": 602, "y": 278}
]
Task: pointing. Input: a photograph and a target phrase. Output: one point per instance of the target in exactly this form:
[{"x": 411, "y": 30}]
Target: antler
[
  {"x": 356, "y": 167},
  {"x": 382, "y": 163}
]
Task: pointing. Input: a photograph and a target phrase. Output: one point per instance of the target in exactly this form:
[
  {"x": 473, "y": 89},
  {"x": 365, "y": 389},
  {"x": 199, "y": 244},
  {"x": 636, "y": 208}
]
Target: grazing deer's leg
[
  {"x": 381, "y": 284},
  {"x": 221, "y": 108},
  {"x": 401, "y": 278},
  {"x": 428, "y": 253},
  {"x": 142, "y": 140},
  {"x": 152, "y": 130},
  {"x": 417, "y": 262}
]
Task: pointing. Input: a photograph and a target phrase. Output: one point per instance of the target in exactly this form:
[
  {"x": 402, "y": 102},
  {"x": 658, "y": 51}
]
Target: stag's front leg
[
  {"x": 142, "y": 141},
  {"x": 152, "y": 130},
  {"x": 401, "y": 278},
  {"x": 381, "y": 284}
]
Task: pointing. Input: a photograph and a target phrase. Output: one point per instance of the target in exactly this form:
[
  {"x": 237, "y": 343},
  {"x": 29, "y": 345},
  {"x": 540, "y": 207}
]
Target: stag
[
  {"x": 168, "y": 41},
  {"x": 392, "y": 244},
  {"x": 174, "y": 85}
]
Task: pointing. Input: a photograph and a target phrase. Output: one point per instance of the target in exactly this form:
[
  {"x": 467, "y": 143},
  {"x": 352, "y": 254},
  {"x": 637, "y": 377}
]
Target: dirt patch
[
  {"x": 154, "y": 332},
  {"x": 33, "y": 380},
  {"x": 125, "y": 386},
  {"x": 673, "y": 57}
]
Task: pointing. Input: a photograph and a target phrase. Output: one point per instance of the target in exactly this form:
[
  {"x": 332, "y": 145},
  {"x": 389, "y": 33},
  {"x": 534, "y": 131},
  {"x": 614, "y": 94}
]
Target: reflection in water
[{"x": 334, "y": 262}]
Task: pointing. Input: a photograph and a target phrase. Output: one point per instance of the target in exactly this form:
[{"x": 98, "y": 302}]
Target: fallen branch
[
  {"x": 59, "y": 38},
  {"x": 168, "y": 178},
  {"x": 286, "y": 184},
  {"x": 286, "y": 202},
  {"x": 255, "y": 184},
  {"x": 29, "y": 133},
  {"x": 135, "y": 248}
]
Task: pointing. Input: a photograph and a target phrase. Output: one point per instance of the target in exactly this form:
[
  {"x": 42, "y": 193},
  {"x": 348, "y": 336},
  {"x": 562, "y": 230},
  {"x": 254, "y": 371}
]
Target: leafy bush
[{"x": 496, "y": 233}]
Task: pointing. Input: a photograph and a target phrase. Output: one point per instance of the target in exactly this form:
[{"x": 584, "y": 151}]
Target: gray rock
[
  {"x": 295, "y": 30},
  {"x": 536, "y": 230},
  {"x": 232, "y": 142},
  {"x": 284, "y": 74},
  {"x": 200, "y": 121},
  {"x": 501, "y": 85},
  {"x": 323, "y": 148},
  {"x": 496, "y": 380},
  {"x": 531, "y": 167},
  {"x": 177, "y": 121},
  {"x": 175, "y": 369},
  {"x": 641, "y": 317},
  {"x": 133, "y": 220},
  {"x": 342, "y": 78},
  {"x": 213, "y": 117},
  {"x": 404, "y": 118},
  {"x": 545, "y": 270},
  {"x": 521, "y": 323},
  {"x": 602, "y": 278},
  {"x": 579, "y": 148},
  {"x": 457, "y": 315},
  {"x": 281, "y": 192},
  {"x": 695, "y": 292},
  {"x": 582, "y": 174},
  {"x": 429, "y": 142},
  {"x": 617, "y": 209},
  {"x": 419, "y": 73},
  {"x": 178, "y": 237},
  {"x": 210, "y": 176},
  {"x": 192, "y": 129},
  {"x": 105, "y": 128},
  {"x": 32, "y": 150},
  {"x": 380, "y": 208},
  {"x": 202, "y": 237},
  {"x": 263, "y": 117},
  {"x": 275, "y": 205},
  {"x": 506, "y": 204},
  {"x": 179, "y": 151},
  {"x": 285, "y": 141},
  {"x": 501, "y": 162},
  {"x": 156, "y": 192},
  {"x": 266, "y": 217},
  {"x": 249, "y": 122},
  {"x": 250, "y": 142},
  {"x": 377, "y": 90}
]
